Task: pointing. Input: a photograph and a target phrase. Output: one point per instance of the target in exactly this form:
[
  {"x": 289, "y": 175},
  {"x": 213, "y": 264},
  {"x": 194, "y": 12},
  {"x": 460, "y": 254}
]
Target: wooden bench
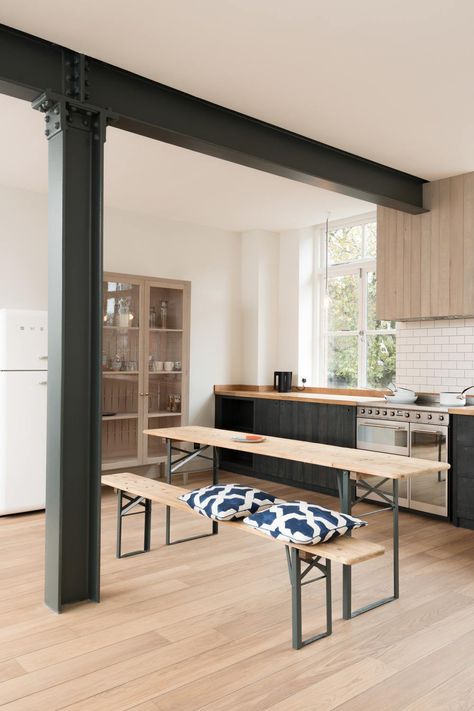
[{"x": 140, "y": 491}]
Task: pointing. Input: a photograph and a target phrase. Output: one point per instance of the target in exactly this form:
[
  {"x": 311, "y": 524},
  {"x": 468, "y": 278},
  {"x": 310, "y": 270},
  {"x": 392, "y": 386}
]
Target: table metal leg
[
  {"x": 171, "y": 467},
  {"x": 344, "y": 486}
]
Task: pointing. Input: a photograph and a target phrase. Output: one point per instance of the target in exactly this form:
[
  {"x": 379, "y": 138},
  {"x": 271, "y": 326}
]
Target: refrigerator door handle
[
  {"x": 43, "y": 357},
  {"x": 43, "y": 382}
]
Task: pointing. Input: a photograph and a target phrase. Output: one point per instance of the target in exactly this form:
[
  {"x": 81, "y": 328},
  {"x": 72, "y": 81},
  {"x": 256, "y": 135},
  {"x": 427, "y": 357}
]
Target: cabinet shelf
[
  {"x": 121, "y": 416},
  {"x": 166, "y": 330},
  {"x": 121, "y": 328},
  {"x": 164, "y": 413},
  {"x": 119, "y": 372},
  {"x": 165, "y": 372}
]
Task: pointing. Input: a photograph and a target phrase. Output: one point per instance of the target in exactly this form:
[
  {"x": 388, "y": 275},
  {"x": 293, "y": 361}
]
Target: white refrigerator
[{"x": 23, "y": 388}]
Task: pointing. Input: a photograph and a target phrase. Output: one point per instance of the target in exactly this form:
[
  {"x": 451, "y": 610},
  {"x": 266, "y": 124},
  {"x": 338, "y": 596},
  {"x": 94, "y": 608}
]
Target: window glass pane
[
  {"x": 345, "y": 244},
  {"x": 380, "y": 360},
  {"x": 370, "y": 239},
  {"x": 342, "y": 361},
  {"x": 372, "y": 322},
  {"x": 343, "y": 303}
]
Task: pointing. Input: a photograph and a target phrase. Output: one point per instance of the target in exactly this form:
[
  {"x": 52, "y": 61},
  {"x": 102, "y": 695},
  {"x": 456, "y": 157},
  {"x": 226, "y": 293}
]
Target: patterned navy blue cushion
[
  {"x": 228, "y": 501},
  {"x": 300, "y": 522}
]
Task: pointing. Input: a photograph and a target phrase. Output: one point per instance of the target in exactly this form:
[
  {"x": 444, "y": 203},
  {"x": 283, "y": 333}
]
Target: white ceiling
[
  {"x": 150, "y": 177},
  {"x": 391, "y": 81},
  {"x": 388, "y": 81}
]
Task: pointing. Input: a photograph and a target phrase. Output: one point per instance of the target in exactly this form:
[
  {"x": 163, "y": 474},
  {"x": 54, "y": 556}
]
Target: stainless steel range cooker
[{"x": 410, "y": 431}]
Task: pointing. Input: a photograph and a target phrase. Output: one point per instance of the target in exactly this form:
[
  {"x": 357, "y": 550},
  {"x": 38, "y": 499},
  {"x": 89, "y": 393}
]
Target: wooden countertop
[
  {"x": 303, "y": 396},
  {"x": 466, "y": 410},
  {"x": 358, "y": 461}
]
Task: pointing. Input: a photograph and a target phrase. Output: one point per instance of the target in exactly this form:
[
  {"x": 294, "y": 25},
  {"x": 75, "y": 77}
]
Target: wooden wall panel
[
  {"x": 430, "y": 270},
  {"x": 468, "y": 252}
]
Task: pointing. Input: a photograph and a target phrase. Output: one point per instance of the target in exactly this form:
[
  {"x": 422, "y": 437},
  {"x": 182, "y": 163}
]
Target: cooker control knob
[
  {"x": 407, "y": 414},
  {"x": 362, "y": 410},
  {"x": 441, "y": 418},
  {"x": 369, "y": 412},
  {"x": 430, "y": 417},
  {"x": 418, "y": 416},
  {"x": 392, "y": 413},
  {"x": 384, "y": 413},
  {"x": 377, "y": 412}
]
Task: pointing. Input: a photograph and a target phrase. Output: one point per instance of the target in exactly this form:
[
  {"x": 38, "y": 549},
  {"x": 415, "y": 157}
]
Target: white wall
[
  {"x": 210, "y": 260},
  {"x": 260, "y": 303},
  {"x": 139, "y": 244},
  {"x": 23, "y": 254}
]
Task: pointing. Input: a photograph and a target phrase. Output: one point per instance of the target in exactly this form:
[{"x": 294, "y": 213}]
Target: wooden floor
[{"x": 206, "y": 625}]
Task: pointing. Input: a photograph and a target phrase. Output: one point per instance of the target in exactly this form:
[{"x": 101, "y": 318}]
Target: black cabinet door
[
  {"x": 462, "y": 475},
  {"x": 311, "y": 422},
  {"x": 267, "y": 422}
]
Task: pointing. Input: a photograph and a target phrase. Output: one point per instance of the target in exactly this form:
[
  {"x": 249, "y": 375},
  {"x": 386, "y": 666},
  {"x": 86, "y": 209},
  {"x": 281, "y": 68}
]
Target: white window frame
[{"x": 361, "y": 267}]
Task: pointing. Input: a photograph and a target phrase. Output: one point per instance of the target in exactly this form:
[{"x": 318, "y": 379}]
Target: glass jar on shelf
[
  {"x": 163, "y": 314},
  {"x": 152, "y": 317}
]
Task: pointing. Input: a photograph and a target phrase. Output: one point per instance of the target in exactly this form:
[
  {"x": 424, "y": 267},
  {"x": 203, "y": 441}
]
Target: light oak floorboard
[{"x": 206, "y": 625}]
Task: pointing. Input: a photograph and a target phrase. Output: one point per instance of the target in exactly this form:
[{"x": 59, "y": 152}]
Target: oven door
[
  {"x": 389, "y": 438},
  {"x": 429, "y": 493}
]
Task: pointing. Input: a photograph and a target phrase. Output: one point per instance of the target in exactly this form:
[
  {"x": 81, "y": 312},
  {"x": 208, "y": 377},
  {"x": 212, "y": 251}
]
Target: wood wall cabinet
[
  {"x": 425, "y": 263},
  {"x": 145, "y": 366},
  {"x": 311, "y": 422}
]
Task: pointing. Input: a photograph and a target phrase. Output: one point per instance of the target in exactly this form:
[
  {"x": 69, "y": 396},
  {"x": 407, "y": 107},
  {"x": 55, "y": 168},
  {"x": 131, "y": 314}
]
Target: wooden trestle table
[{"x": 349, "y": 465}]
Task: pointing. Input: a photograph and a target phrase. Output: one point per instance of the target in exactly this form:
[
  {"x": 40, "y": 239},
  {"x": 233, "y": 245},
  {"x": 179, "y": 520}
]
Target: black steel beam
[
  {"x": 160, "y": 112},
  {"x": 145, "y": 107},
  {"x": 75, "y": 156}
]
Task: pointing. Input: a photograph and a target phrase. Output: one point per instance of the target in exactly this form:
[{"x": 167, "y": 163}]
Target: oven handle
[
  {"x": 433, "y": 432},
  {"x": 385, "y": 427}
]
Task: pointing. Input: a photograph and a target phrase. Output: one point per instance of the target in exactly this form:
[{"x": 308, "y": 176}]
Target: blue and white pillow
[
  {"x": 228, "y": 501},
  {"x": 300, "y": 522}
]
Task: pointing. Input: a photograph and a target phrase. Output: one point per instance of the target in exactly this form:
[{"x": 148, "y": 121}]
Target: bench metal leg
[
  {"x": 126, "y": 509},
  {"x": 297, "y": 582},
  {"x": 345, "y": 494},
  {"x": 172, "y": 467}
]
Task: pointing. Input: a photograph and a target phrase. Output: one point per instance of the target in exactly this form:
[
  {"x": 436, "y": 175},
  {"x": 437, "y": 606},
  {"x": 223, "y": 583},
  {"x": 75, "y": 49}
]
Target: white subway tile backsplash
[{"x": 436, "y": 355}]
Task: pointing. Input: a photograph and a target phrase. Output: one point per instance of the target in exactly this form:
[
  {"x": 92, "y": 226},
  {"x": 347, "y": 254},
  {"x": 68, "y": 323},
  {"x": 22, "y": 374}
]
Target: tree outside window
[{"x": 359, "y": 349}]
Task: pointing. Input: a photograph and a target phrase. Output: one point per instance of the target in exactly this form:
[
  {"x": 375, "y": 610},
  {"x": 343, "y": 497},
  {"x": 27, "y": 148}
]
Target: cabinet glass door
[
  {"x": 121, "y": 357},
  {"x": 165, "y": 363}
]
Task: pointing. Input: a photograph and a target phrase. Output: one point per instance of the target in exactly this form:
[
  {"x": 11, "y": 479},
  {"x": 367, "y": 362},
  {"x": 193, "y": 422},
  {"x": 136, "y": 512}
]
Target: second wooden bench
[{"x": 140, "y": 491}]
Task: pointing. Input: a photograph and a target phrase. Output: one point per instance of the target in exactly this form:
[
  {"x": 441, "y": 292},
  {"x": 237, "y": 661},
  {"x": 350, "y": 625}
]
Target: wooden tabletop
[{"x": 392, "y": 466}]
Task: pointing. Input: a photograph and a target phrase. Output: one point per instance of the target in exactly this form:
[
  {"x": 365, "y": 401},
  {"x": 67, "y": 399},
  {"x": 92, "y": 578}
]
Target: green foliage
[{"x": 345, "y": 245}]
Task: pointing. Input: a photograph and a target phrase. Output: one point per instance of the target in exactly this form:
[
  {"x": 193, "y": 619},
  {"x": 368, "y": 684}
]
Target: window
[{"x": 357, "y": 350}]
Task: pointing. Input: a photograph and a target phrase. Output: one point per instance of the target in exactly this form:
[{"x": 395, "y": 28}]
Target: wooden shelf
[
  {"x": 164, "y": 372},
  {"x": 166, "y": 330},
  {"x": 120, "y": 372},
  {"x": 121, "y": 416},
  {"x": 164, "y": 413},
  {"x": 121, "y": 328}
]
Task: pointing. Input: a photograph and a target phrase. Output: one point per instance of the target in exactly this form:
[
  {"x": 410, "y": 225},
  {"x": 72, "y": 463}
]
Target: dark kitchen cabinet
[
  {"x": 311, "y": 422},
  {"x": 462, "y": 478},
  {"x": 235, "y": 413}
]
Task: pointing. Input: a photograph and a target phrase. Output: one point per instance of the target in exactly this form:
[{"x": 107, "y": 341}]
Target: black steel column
[{"x": 76, "y": 139}]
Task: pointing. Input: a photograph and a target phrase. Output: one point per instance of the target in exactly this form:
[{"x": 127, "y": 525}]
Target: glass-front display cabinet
[{"x": 145, "y": 366}]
